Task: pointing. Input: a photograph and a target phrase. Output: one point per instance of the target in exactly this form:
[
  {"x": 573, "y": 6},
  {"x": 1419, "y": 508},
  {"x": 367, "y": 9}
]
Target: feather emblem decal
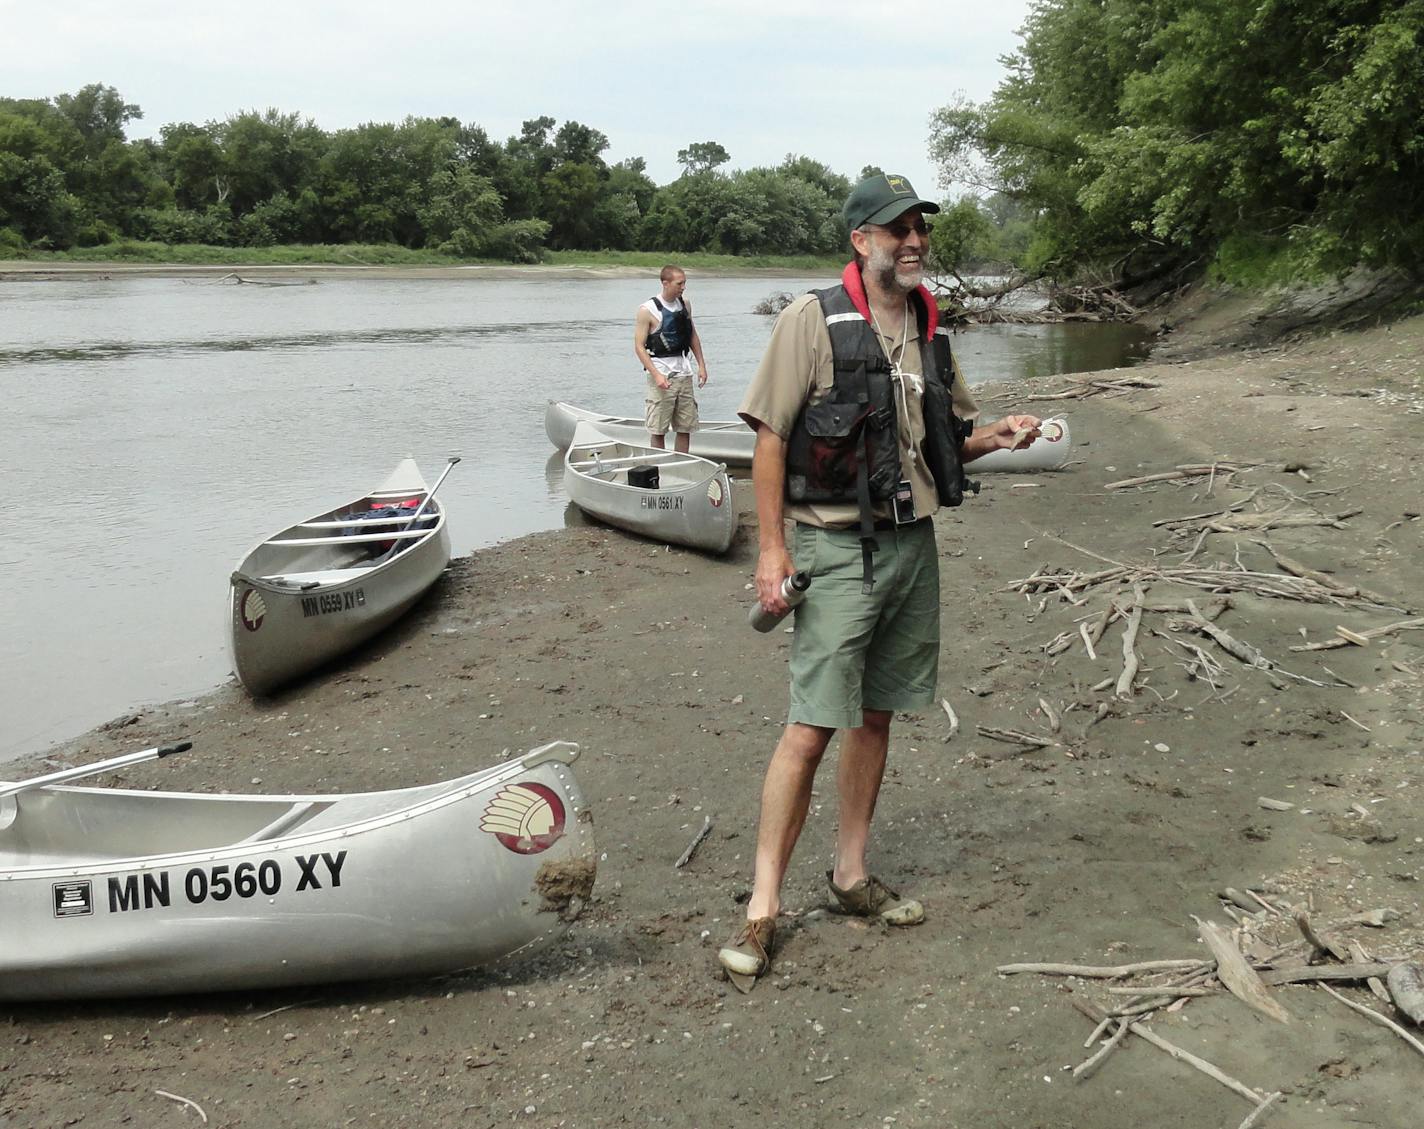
[
  {"x": 252, "y": 609},
  {"x": 527, "y": 818}
]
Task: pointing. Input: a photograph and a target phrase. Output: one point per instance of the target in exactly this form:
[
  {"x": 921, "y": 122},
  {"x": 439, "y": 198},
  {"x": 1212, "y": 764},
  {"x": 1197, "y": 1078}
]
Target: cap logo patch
[{"x": 897, "y": 184}]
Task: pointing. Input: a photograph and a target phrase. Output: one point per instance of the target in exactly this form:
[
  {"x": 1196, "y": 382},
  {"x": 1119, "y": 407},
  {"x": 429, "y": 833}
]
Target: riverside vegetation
[{"x": 1132, "y": 146}]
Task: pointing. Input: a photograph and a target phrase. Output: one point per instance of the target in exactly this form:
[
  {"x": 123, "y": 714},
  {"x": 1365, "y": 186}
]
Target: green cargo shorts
[{"x": 851, "y": 651}]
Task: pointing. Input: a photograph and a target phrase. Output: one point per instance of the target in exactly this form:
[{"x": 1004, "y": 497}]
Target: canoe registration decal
[
  {"x": 714, "y": 492},
  {"x": 328, "y": 602},
  {"x": 661, "y": 502},
  {"x": 527, "y": 818},
  {"x": 252, "y": 608},
  {"x": 152, "y": 889}
]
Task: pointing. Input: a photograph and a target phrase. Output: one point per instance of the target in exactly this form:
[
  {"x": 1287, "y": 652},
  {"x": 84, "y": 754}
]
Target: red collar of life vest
[{"x": 855, "y": 287}]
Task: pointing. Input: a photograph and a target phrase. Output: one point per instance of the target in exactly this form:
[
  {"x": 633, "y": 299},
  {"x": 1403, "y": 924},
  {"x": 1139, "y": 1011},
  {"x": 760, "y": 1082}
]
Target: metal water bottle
[{"x": 793, "y": 591}]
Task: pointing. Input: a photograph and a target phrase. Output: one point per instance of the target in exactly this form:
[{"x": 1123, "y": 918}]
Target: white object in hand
[{"x": 793, "y": 591}]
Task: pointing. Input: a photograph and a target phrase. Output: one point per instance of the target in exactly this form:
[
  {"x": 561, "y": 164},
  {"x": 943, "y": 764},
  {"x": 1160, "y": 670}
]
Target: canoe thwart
[
  {"x": 284, "y": 822},
  {"x": 351, "y": 539}
]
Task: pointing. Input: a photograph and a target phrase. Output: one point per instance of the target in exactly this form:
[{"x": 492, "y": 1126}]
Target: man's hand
[
  {"x": 702, "y": 377},
  {"x": 1012, "y": 433},
  {"x": 1016, "y": 432},
  {"x": 661, "y": 381},
  {"x": 773, "y": 567}
]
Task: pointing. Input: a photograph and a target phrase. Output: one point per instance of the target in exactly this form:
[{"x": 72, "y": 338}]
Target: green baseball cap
[{"x": 879, "y": 199}]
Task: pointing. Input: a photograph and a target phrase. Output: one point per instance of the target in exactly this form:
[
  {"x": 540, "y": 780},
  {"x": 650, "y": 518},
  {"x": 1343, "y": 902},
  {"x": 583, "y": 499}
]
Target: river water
[{"x": 155, "y": 429}]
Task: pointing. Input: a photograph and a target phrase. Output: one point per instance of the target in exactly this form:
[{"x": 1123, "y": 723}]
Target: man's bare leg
[
  {"x": 858, "y": 777},
  {"x": 785, "y": 799},
  {"x": 656, "y": 441},
  {"x": 683, "y": 441}
]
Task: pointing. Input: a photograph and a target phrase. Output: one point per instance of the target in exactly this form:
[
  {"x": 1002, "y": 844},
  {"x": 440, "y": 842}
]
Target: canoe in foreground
[
  {"x": 324, "y": 585},
  {"x": 727, "y": 441},
  {"x": 108, "y": 892},
  {"x": 690, "y": 505}
]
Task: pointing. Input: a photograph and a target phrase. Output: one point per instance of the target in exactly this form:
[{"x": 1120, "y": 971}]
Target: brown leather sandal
[
  {"x": 748, "y": 954},
  {"x": 870, "y": 897}
]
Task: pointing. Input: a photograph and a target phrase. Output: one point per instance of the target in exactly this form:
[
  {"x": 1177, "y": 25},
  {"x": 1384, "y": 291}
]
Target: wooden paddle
[{"x": 93, "y": 769}]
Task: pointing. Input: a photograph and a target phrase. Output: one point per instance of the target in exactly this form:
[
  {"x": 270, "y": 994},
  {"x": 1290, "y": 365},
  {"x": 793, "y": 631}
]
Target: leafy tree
[
  {"x": 76, "y": 179},
  {"x": 98, "y": 113},
  {"x": 266, "y": 154},
  {"x": 569, "y": 195},
  {"x": 192, "y": 161},
  {"x": 630, "y": 177},
  {"x": 462, "y": 213},
  {"x": 1151, "y": 133},
  {"x": 375, "y": 179},
  {"x": 963, "y": 234},
  {"x": 701, "y": 157},
  {"x": 578, "y": 144},
  {"x": 35, "y": 203}
]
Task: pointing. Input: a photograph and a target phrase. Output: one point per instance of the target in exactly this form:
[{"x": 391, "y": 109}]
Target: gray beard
[{"x": 882, "y": 265}]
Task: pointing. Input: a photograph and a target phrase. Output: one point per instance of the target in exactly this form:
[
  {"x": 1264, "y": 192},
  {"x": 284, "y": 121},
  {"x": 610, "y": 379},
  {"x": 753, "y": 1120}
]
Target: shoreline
[
  {"x": 27, "y": 271},
  {"x": 1096, "y": 848}
]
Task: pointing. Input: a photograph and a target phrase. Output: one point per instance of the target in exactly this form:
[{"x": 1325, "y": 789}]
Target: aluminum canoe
[
  {"x": 692, "y": 504},
  {"x": 728, "y": 441},
  {"x": 732, "y": 441},
  {"x": 318, "y": 588},
  {"x": 108, "y": 892}
]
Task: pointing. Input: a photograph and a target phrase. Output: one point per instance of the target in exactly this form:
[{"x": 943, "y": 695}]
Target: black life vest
[
  {"x": 673, "y": 337},
  {"x": 845, "y": 447}
]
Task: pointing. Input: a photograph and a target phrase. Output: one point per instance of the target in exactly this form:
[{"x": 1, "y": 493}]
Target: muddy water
[{"x": 156, "y": 428}]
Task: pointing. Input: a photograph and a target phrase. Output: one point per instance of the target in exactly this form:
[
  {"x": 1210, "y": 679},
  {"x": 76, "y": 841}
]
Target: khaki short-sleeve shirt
[{"x": 799, "y": 368}]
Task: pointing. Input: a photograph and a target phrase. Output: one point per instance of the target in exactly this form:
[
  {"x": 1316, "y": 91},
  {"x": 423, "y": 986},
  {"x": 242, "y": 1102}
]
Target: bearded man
[{"x": 862, "y": 423}]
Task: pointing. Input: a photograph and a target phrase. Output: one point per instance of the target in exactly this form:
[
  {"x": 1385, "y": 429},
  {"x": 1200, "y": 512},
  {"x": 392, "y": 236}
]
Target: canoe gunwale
[
  {"x": 700, "y": 483},
  {"x": 451, "y": 792},
  {"x": 728, "y": 441}
]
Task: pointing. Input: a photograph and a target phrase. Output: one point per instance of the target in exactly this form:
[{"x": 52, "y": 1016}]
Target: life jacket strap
[{"x": 868, "y": 544}]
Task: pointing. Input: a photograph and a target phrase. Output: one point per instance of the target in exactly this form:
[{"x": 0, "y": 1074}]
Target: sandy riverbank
[{"x": 1097, "y": 849}]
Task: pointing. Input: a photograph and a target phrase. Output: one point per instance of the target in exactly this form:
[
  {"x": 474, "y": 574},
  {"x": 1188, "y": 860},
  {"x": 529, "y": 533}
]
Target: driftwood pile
[
  {"x": 1179, "y": 600},
  {"x": 1080, "y": 388},
  {"x": 965, "y": 301},
  {"x": 1273, "y": 944}
]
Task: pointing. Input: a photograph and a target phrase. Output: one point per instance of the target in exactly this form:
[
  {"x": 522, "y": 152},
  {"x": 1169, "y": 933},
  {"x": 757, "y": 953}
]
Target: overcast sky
[{"x": 849, "y": 84}]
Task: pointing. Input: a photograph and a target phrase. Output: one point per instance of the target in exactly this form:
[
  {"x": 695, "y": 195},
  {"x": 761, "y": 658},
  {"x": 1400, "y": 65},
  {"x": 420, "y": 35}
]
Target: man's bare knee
[
  {"x": 876, "y": 721},
  {"x": 805, "y": 743}
]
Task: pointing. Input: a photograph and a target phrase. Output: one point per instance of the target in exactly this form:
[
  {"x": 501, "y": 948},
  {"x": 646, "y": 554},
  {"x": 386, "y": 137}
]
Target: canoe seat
[{"x": 296, "y": 814}]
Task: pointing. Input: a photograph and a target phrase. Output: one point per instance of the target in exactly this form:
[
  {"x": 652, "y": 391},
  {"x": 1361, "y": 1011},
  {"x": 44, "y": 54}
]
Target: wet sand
[{"x": 1097, "y": 848}]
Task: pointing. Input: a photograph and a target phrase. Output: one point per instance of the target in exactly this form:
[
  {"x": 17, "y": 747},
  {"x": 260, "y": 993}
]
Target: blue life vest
[{"x": 673, "y": 337}]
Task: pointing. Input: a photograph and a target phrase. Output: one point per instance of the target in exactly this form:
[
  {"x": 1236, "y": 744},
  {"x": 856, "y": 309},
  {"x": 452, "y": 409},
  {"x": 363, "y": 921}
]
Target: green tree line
[
  {"x": 1144, "y": 136},
  {"x": 70, "y": 177}
]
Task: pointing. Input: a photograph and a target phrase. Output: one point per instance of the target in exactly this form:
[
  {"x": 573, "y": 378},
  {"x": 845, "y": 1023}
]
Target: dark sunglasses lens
[{"x": 901, "y": 230}]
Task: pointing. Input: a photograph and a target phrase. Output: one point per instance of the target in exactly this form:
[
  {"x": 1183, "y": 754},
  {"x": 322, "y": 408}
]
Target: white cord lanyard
[{"x": 896, "y": 374}]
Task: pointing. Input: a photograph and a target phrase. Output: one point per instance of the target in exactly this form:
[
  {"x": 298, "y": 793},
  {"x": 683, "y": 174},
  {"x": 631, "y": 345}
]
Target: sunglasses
[{"x": 900, "y": 229}]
